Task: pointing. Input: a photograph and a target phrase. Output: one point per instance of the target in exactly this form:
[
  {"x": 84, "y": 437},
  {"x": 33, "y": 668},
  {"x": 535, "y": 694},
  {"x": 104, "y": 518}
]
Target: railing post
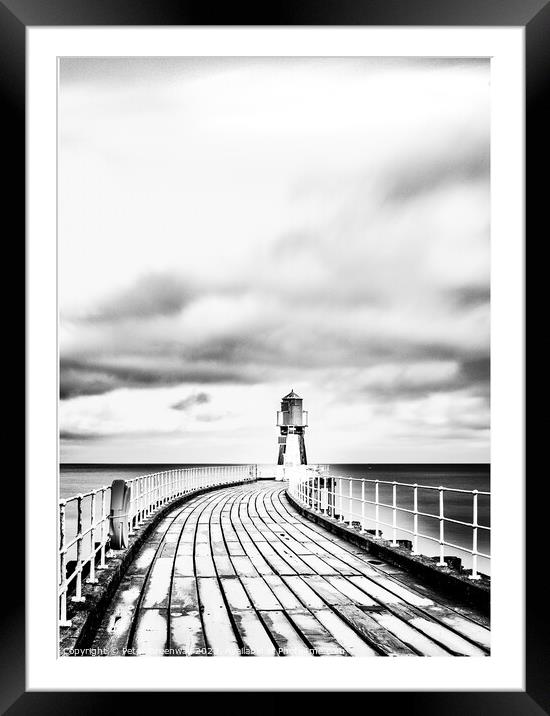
[
  {"x": 102, "y": 563},
  {"x": 91, "y": 577},
  {"x": 78, "y": 589},
  {"x": 316, "y": 506},
  {"x": 63, "y": 621},
  {"x": 131, "y": 511},
  {"x": 341, "y": 499},
  {"x": 415, "y": 519},
  {"x": 441, "y": 562},
  {"x": 362, "y": 505},
  {"x": 474, "y": 574},
  {"x": 350, "y": 502},
  {"x": 394, "y": 513},
  {"x": 376, "y": 509}
]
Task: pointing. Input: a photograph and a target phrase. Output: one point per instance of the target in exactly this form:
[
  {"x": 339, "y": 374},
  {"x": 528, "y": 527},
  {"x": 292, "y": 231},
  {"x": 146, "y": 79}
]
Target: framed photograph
[{"x": 275, "y": 352}]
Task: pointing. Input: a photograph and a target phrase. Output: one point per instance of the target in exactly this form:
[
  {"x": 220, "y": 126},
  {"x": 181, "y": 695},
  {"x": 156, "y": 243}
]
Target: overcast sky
[{"x": 233, "y": 228}]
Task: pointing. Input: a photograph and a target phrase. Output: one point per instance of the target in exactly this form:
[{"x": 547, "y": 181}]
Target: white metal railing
[
  {"x": 90, "y": 537},
  {"x": 335, "y": 496}
]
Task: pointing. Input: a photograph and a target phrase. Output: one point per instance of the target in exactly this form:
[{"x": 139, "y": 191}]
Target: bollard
[
  {"x": 375, "y": 533},
  {"x": 453, "y": 562},
  {"x": 406, "y": 543},
  {"x": 118, "y": 517}
]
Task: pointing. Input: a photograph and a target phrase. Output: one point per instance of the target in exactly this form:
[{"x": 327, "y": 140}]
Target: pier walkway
[{"x": 238, "y": 571}]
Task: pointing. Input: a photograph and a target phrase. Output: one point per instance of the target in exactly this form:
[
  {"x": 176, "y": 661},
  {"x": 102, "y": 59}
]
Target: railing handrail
[
  {"x": 306, "y": 489},
  {"x": 147, "y": 494},
  {"x": 407, "y": 484}
]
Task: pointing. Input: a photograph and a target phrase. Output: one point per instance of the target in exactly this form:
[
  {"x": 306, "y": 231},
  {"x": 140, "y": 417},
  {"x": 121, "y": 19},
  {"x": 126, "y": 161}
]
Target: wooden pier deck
[{"x": 238, "y": 571}]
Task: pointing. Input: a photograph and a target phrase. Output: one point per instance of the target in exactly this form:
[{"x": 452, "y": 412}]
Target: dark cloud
[
  {"x": 470, "y": 296},
  {"x": 74, "y": 435},
  {"x": 151, "y": 296},
  {"x": 95, "y": 377},
  {"x": 190, "y": 401},
  {"x": 466, "y": 160},
  {"x": 472, "y": 375}
]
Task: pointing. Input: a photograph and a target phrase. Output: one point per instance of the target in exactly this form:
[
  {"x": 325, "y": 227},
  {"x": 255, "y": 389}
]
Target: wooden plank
[
  {"x": 224, "y": 567},
  {"x": 151, "y": 632},
  {"x": 304, "y": 592},
  {"x": 297, "y": 547},
  {"x": 297, "y": 563},
  {"x": 167, "y": 549},
  {"x": 235, "y": 594},
  {"x": 327, "y": 592},
  {"x": 356, "y": 595},
  {"x": 459, "y": 624},
  {"x": 183, "y": 596},
  {"x": 337, "y": 564},
  {"x": 217, "y": 624},
  {"x": 260, "y": 593},
  {"x": 157, "y": 586},
  {"x": 205, "y": 566},
  {"x": 287, "y": 639},
  {"x": 286, "y": 597},
  {"x": 344, "y": 635},
  {"x": 186, "y": 548},
  {"x": 203, "y": 533},
  {"x": 255, "y": 638},
  {"x": 375, "y": 591},
  {"x": 186, "y": 633},
  {"x": 244, "y": 566},
  {"x": 318, "y": 565},
  {"x": 260, "y": 564},
  {"x": 321, "y": 640},
  {"x": 278, "y": 564},
  {"x": 202, "y": 549},
  {"x": 446, "y": 638},
  {"x": 413, "y": 582},
  {"x": 184, "y": 566},
  {"x": 378, "y": 637},
  {"x": 113, "y": 632},
  {"x": 413, "y": 638},
  {"x": 143, "y": 560}
]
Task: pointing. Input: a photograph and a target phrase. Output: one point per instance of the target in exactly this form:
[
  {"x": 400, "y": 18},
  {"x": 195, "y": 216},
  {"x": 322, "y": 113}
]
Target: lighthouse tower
[{"x": 292, "y": 423}]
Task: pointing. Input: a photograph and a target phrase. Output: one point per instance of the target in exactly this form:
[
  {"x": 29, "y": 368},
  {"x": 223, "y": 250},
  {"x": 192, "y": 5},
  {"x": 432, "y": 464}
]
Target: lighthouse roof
[{"x": 292, "y": 394}]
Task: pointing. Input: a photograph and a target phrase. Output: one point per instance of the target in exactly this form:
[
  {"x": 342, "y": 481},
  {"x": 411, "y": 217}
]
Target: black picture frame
[{"x": 534, "y": 16}]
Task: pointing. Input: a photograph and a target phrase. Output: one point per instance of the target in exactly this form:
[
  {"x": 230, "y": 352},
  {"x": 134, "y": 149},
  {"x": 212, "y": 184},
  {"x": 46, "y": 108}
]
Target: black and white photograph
[
  {"x": 274, "y": 363},
  {"x": 274, "y": 305}
]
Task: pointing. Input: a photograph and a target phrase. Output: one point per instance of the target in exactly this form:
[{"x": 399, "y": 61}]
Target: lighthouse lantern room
[{"x": 292, "y": 422}]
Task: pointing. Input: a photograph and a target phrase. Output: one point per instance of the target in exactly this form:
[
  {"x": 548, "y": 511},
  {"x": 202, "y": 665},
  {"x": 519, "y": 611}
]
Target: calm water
[{"x": 81, "y": 478}]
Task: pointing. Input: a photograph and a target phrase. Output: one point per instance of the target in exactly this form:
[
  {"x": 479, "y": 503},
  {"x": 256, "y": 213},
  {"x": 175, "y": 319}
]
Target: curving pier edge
[
  {"x": 450, "y": 582},
  {"x": 87, "y": 615},
  {"x": 241, "y": 571}
]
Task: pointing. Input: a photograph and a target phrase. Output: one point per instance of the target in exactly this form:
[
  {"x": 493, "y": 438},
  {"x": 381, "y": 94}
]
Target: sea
[{"x": 82, "y": 477}]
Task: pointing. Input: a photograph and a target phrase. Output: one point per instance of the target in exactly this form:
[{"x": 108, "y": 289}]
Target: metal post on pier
[
  {"x": 63, "y": 621},
  {"x": 394, "y": 513},
  {"x": 78, "y": 589},
  {"x": 441, "y": 562},
  {"x": 91, "y": 577},
  {"x": 362, "y": 505},
  {"x": 376, "y": 509},
  {"x": 102, "y": 564},
  {"x": 415, "y": 519},
  {"x": 474, "y": 574}
]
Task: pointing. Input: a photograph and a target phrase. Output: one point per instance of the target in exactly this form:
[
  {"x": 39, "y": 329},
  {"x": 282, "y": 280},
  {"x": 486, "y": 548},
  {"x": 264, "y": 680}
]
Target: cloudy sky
[{"x": 232, "y": 228}]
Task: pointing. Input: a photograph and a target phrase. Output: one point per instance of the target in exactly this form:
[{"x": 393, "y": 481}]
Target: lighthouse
[{"x": 292, "y": 423}]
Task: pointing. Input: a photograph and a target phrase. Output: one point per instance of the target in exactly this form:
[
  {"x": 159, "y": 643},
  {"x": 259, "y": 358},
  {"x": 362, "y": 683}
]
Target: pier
[{"x": 222, "y": 563}]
